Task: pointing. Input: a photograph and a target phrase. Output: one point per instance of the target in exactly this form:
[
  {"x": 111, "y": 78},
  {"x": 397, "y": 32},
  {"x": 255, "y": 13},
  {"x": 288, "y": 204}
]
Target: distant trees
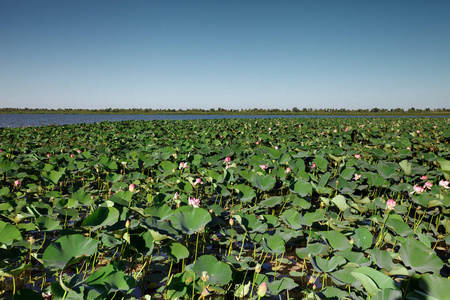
[{"x": 220, "y": 110}]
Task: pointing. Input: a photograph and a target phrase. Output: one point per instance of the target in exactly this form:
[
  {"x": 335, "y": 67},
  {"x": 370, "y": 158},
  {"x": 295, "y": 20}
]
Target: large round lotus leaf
[
  {"x": 373, "y": 280},
  {"x": 363, "y": 238},
  {"x": 301, "y": 187},
  {"x": 47, "y": 224},
  {"x": 323, "y": 265},
  {"x": 246, "y": 193},
  {"x": 406, "y": 166},
  {"x": 104, "y": 216},
  {"x": 419, "y": 257},
  {"x": 273, "y": 244},
  {"x": 336, "y": 240},
  {"x": 176, "y": 251},
  {"x": 277, "y": 286},
  {"x": 9, "y": 233},
  {"x": 82, "y": 197},
  {"x": 272, "y": 201},
  {"x": 263, "y": 182},
  {"x": 252, "y": 224},
  {"x": 292, "y": 218},
  {"x": 190, "y": 219},
  {"x": 219, "y": 272},
  {"x": 52, "y": 176},
  {"x": 67, "y": 250}
]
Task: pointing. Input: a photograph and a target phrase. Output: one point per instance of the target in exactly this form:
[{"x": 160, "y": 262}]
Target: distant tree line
[{"x": 220, "y": 110}]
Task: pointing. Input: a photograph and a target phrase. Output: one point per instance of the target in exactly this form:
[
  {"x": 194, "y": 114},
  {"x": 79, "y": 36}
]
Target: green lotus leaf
[
  {"x": 323, "y": 265},
  {"x": 301, "y": 187},
  {"x": 340, "y": 202},
  {"x": 272, "y": 201},
  {"x": 189, "y": 219},
  {"x": 445, "y": 166},
  {"x": 313, "y": 249},
  {"x": 218, "y": 272},
  {"x": 103, "y": 216},
  {"x": 9, "y": 233},
  {"x": 273, "y": 244},
  {"x": 82, "y": 197},
  {"x": 284, "y": 284},
  {"x": 47, "y": 224},
  {"x": 176, "y": 251},
  {"x": 245, "y": 193},
  {"x": 336, "y": 240},
  {"x": 321, "y": 162},
  {"x": 373, "y": 280},
  {"x": 263, "y": 182},
  {"x": 406, "y": 166},
  {"x": 252, "y": 224},
  {"x": 292, "y": 218},
  {"x": 67, "y": 250},
  {"x": 363, "y": 238},
  {"x": 419, "y": 257},
  {"x": 111, "y": 278},
  {"x": 52, "y": 176},
  {"x": 108, "y": 163}
]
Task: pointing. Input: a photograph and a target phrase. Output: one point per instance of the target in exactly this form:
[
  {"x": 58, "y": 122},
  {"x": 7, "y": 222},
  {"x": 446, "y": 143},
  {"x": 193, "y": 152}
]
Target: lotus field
[{"x": 288, "y": 208}]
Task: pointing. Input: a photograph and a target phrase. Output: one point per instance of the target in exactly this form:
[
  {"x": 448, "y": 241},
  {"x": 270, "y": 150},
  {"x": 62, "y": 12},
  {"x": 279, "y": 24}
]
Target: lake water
[{"x": 24, "y": 120}]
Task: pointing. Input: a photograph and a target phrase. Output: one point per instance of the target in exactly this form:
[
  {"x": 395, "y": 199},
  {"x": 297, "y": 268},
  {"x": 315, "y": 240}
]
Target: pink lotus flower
[
  {"x": 17, "y": 183},
  {"x": 276, "y": 147},
  {"x": 427, "y": 185},
  {"x": 313, "y": 165},
  {"x": 409, "y": 148},
  {"x": 176, "y": 196},
  {"x": 197, "y": 181},
  {"x": 227, "y": 160},
  {"x": 257, "y": 142},
  {"x": 444, "y": 184},
  {"x": 288, "y": 170},
  {"x": 183, "y": 165},
  {"x": 434, "y": 126},
  {"x": 194, "y": 202},
  {"x": 335, "y": 130},
  {"x": 356, "y": 177},
  {"x": 48, "y": 154},
  {"x": 227, "y": 166},
  {"x": 131, "y": 187},
  {"x": 390, "y": 204},
  {"x": 262, "y": 289},
  {"x": 71, "y": 155},
  {"x": 358, "y": 156},
  {"x": 346, "y": 129},
  {"x": 424, "y": 177},
  {"x": 418, "y": 189},
  {"x": 263, "y": 167}
]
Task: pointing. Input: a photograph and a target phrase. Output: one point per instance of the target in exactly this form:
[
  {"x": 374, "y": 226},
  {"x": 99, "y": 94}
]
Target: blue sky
[{"x": 230, "y": 54}]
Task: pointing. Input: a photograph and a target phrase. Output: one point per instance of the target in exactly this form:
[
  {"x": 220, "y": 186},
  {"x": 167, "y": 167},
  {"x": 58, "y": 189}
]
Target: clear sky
[{"x": 230, "y": 54}]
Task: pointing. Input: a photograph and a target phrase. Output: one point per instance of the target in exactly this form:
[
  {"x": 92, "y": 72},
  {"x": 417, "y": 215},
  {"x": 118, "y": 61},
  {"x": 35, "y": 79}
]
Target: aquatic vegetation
[{"x": 249, "y": 208}]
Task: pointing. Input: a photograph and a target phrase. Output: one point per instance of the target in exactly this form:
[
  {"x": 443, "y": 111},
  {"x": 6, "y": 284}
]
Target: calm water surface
[{"x": 24, "y": 120}]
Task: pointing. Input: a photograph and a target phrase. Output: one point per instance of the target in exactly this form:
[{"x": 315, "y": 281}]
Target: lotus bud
[
  {"x": 127, "y": 224},
  {"x": 262, "y": 289},
  {"x": 390, "y": 204},
  {"x": 205, "y": 293},
  {"x": 205, "y": 276},
  {"x": 17, "y": 183},
  {"x": 258, "y": 268},
  {"x": 131, "y": 187},
  {"x": 231, "y": 221}
]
